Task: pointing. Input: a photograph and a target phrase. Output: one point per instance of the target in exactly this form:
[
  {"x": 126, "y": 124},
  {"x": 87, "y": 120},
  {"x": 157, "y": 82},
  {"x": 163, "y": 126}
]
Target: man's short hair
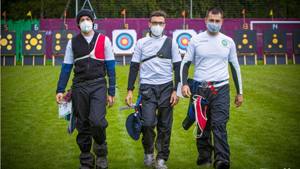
[
  {"x": 158, "y": 13},
  {"x": 215, "y": 11}
]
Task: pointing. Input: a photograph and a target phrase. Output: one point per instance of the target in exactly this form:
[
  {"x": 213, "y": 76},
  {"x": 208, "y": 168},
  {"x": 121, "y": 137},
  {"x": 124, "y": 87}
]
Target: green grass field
[{"x": 263, "y": 134}]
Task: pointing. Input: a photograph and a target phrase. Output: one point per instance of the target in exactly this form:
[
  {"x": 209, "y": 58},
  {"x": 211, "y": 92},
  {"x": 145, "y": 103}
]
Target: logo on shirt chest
[{"x": 224, "y": 43}]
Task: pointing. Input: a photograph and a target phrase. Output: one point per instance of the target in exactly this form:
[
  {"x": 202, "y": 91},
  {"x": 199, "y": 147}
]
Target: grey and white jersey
[
  {"x": 156, "y": 70},
  {"x": 211, "y": 55}
]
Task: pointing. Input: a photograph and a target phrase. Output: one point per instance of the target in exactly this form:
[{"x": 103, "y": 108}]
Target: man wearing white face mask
[
  {"x": 91, "y": 55},
  {"x": 211, "y": 51},
  {"x": 155, "y": 57}
]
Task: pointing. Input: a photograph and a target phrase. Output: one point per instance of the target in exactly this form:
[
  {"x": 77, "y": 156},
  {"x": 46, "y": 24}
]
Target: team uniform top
[
  {"x": 94, "y": 59},
  {"x": 211, "y": 55},
  {"x": 156, "y": 70},
  {"x": 69, "y": 55}
]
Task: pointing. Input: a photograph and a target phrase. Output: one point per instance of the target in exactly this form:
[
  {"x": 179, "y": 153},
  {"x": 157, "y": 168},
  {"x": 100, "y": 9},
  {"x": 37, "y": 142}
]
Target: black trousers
[
  {"x": 218, "y": 116},
  {"x": 157, "y": 112},
  {"x": 89, "y": 106}
]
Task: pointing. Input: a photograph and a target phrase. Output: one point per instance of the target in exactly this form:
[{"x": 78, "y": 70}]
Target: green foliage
[
  {"x": 17, "y": 9},
  {"x": 263, "y": 133}
]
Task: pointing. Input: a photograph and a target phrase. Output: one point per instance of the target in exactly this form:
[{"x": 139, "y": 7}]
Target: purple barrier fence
[{"x": 141, "y": 24}]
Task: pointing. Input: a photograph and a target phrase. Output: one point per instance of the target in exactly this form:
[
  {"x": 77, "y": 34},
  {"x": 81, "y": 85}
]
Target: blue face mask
[{"x": 213, "y": 27}]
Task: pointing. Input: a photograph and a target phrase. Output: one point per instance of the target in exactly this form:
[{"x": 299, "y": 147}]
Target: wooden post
[
  {"x": 3, "y": 60},
  {"x": 255, "y": 56},
  {"x": 124, "y": 60},
  {"x": 44, "y": 60},
  {"x": 264, "y": 58},
  {"x": 294, "y": 60},
  {"x": 33, "y": 60},
  {"x": 53, "y": 60},
  {"x": 15, "y": 60}
]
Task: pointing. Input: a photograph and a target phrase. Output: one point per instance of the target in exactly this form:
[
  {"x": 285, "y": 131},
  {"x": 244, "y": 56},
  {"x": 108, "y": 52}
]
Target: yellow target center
[
  {"x": 124, "y": 41},
  {"x": 28, "y": 36},
  {"x": 69, "y": 36},
  {"x": 33, "y": 41},
  {"x": 28, "y": 47},
  {"x": 57, "y": 36},
  {"x": 9, "y": 36},
  {"x": 245, "y": 41},
  {"x": 185, "y": 41},
  {"x": 39, "y": 36},
  {"x": 9, "y": 47},
  {"x": 57, "y": 48},
  {"x": 38, "y": 47},
  {"x": 4, "y": 42},
  {"x": 275, "y": 41}
]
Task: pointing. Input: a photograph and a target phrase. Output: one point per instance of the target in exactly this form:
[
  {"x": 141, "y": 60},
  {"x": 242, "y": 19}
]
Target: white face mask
[
  {"x": 86, "y": 26},
  {"x": 157, "y": 30},
  {"x": 213, "y": 27}
]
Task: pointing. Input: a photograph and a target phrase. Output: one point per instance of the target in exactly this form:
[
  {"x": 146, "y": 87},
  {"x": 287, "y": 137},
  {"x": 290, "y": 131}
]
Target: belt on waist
[{"x": 208, "y": 84}]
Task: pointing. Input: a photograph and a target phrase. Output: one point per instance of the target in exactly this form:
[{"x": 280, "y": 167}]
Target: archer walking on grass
[
  {"x": 91, "y": 55},
  {"x": 211, "y": 51}
]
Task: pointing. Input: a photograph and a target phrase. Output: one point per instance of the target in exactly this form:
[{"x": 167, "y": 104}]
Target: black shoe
[
  {"x": 221, "y": 165},
  {"x": 101, "y": 163},
  {"x": 87, "y": 161},
  {"x": 85, "y": 167},
  {"x": 203, "y": 162}
]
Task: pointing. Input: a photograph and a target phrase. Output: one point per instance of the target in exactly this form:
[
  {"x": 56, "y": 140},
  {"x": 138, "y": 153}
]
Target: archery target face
[
  {"x": 245, "y": 41},
  {"x": 182, "y": 38},
  {"x": 8, "y": 43},
  {"x": 274, "y": 41},
  {"x": 124, "y": 41},
  {"x": 60, "y": 40},
  {"x": 33, "y": 42}
]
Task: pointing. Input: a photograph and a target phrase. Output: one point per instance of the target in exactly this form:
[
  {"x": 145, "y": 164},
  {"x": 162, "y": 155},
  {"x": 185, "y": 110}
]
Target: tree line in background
[{"x": 37, "y": 9}]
